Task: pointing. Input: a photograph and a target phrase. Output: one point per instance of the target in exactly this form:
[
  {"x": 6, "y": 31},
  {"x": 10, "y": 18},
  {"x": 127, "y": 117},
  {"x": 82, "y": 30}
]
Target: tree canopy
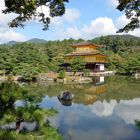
[
  {"x": 132, "y": 12},
  {"x": 27, "y": 10},
  {"x": 27, "y": 111},
  {"x": 30, "y": 59}
]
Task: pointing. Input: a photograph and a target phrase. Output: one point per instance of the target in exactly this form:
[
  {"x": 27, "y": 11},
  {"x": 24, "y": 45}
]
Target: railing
[{"x": 88, "y": 60}]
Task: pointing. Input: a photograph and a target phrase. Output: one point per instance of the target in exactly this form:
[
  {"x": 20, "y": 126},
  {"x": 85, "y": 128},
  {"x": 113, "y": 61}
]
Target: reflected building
[
  {"x": 98, "y": 80},
  {"x": 90, "y": 93}
]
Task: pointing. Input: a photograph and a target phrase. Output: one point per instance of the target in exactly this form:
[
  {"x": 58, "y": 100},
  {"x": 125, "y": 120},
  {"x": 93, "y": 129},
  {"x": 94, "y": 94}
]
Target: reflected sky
[
  {"x": 103, "y": 110},
  {"x": 100, "y": 121},
  {"x": 110, "y": 115}
]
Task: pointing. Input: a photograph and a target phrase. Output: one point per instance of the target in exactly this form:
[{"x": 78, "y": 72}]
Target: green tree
[
  {"x": 137, "y": 122},
  {"x": 30, "y": 59},
  {"x": 27, "y": 10},
  {"x": 62, "y": 74},
  {"x": 134, "y": 64},
  {"x": 86, "y": 72},
  {"x": 77, "y": 64},
  {"x": 132, "y": 12},
  {"x": 28, "y": 112}
]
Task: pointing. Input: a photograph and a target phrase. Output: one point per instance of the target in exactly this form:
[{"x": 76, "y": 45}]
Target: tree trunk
[{"x": 18, "y": 122}]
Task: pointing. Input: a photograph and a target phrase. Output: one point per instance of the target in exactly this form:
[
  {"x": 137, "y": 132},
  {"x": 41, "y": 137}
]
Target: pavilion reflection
[
  {"x": 86, "y": 94},
  {"x": 92, "y": 93}
]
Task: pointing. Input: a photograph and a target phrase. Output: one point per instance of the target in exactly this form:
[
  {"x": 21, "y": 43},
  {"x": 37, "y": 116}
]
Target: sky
[{"x": 85, "y": 19}]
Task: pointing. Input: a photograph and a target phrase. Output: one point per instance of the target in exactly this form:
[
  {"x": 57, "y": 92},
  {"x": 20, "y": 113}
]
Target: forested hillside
[
  {"x": 30, "y": 58},
  {"x": 123, "y": 52}
]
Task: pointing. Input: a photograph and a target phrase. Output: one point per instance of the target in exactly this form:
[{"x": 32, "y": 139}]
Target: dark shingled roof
[
  {"x": 82, "y": 54},
  {"x": 84, "y": 44}
]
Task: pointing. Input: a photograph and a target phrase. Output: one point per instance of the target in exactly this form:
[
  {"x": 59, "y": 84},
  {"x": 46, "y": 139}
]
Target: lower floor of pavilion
[{"x": 94, "y": 67}]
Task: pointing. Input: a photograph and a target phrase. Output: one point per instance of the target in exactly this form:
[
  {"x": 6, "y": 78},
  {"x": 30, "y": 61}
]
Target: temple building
[{"x": 90, "y": 54}]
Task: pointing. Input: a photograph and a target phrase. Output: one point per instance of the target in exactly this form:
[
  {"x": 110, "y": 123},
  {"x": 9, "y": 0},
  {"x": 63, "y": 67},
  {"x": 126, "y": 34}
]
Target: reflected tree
[{"x": 138, "y": 124}]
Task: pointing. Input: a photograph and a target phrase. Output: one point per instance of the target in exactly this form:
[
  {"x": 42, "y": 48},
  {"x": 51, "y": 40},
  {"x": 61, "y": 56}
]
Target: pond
[{"x": 103, "y": 110}]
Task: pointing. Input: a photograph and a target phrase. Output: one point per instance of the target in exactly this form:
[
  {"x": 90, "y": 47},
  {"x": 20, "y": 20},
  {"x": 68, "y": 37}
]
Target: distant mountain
[
  {"x": 42, "y": 41},
  {"x": 36, "y": 40},
  {"x": 12, "y": 43},
  {"x": 124, "y": 37}
]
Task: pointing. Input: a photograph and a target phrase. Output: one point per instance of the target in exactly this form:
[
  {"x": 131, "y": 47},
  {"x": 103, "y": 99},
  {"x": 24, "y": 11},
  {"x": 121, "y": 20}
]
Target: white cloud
[
  {"x": 128, "y": 110},
  {"x": 71, "y": 15},
  {"x": 113, "y": 3},
  {"x": 5, "y": 18},
  {"x": 98, "y": 27},
  {"x": 121, "y": 21},
  {"x": 44, "y": 9},
  {"x": 71, "y": 32},
  {"x": 136, "y": 32},
  {"x": 2, "y": 5},
  {"x": 109, "y": 128},
  {"x": 103, "y": 109},
  {"x": 7, "y": 34},
  {"x": 56, "y": 21}
]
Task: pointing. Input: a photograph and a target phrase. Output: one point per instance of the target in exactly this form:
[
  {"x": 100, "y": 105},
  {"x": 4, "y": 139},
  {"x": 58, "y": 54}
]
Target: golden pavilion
[{"x": 90, "y": 54}]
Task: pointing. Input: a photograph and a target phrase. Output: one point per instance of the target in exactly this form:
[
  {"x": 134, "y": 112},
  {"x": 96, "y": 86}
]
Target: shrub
[
  {"x": 62, "y": 74},
  {"x": 86, "y": 72}
]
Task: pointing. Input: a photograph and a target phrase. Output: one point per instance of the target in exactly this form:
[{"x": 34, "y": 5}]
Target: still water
[{"x": 104, "y": 110}]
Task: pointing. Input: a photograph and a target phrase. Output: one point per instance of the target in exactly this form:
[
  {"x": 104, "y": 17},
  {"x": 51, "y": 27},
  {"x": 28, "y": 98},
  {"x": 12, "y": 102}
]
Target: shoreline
[{"x": 69, "y": 77}]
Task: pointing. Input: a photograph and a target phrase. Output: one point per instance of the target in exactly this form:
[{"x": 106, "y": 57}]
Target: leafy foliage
[
  {"x": 123, "y": 53},
  {"x": 86, "y": 72},
  {"x": 137, "y": 124},
  {"x": 30, "y": 59},
  {"x": 132, "y": 12},
  {"x": 77, "y": 64},
  {"x": 28, "y": 10},
  {"x": 47, "y": 133},
  {"x": 28, "y": 112},
  {"x": 62, "y": 74}
]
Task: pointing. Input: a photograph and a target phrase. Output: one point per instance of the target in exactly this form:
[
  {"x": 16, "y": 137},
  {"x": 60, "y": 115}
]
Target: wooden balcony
[{"x": 95, "y": 58}]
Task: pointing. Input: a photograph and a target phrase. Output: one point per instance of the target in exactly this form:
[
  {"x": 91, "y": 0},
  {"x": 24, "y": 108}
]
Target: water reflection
[
  {"x": 65, "y": 102},
  {"x": 102, "y": 120},
  {"x": 89, "y": 93},
  {"x": 127, "y": 110},
  {"x": 104, "y": 110},
  {"x": 99, "y": 80},
  {"x": 21, "y": 114},
  {"x": 101, "y": 111}
]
